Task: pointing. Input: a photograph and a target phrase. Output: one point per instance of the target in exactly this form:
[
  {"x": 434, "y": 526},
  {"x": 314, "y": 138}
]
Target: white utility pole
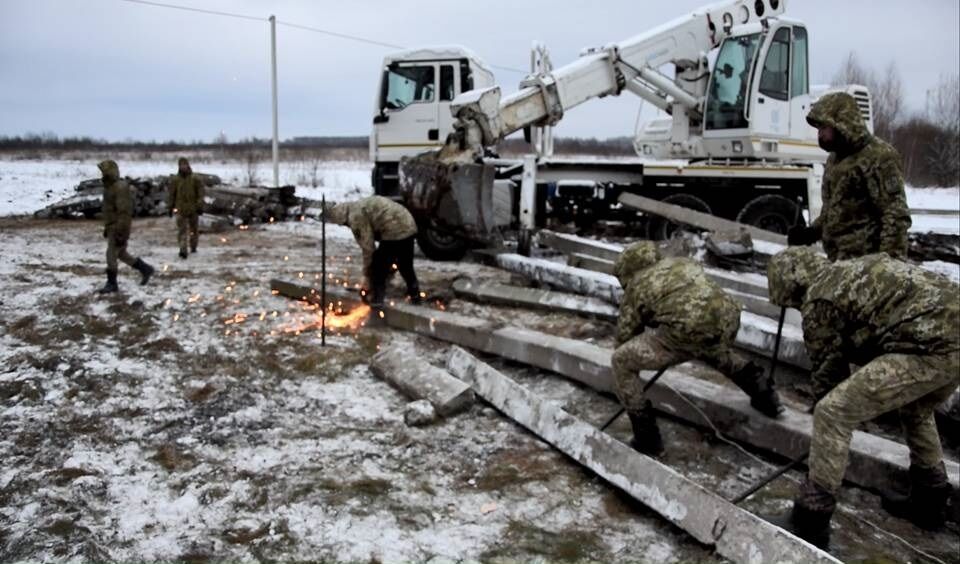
[{"x": 273, "y": 71}]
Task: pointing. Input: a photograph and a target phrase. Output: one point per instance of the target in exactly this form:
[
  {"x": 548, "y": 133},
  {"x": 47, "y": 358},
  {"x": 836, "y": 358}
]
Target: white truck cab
[{"x": 412, "y": 109}]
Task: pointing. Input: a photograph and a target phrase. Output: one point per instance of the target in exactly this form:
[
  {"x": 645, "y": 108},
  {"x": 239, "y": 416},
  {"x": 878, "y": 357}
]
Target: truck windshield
[
  {"x": 406, "y": 85},
  {"x": 728, "y": 86}
]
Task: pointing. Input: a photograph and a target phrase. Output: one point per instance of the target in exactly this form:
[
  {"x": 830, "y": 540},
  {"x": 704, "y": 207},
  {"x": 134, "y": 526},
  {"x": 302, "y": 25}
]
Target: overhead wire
[{"x": 293, "y": 25}]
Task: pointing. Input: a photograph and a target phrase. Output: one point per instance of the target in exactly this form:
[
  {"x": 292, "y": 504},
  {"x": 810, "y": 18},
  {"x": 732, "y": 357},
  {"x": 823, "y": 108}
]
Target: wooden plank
[
  {"x": 875, "y": 463},
  {"x": 589, "y": 262},
  {"x": 418, "y": 379},
  {"x": 697, "y": 219},
  {"x": 733, "y": 532}
]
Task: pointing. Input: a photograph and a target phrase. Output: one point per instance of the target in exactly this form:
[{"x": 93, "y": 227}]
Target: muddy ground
[{"x": 198, "y": 419}]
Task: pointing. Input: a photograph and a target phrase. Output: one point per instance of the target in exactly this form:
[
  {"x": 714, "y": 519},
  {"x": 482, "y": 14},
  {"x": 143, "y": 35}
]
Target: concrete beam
[
  {"x": 702, "y": 220},
  {"x": 589, "y": 262},
  {"x": 733, "y": 532},
  {"x": 875, "y": 463},
  {"x": 757, "y": 332},
  {"x": 420, "y": 380},
  {"x": 502, "y": 294},
  {"x": 572, "y": 244}
]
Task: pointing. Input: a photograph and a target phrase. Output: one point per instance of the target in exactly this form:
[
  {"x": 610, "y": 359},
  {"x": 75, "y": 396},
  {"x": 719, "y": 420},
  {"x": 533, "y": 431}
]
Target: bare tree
[
  {"x": 943, "y": 109},
  {"x": 886, "y": 92}
]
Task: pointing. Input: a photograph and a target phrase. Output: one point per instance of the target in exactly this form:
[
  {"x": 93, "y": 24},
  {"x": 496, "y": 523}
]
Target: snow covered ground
[
  {"x": 190, "y": 420},
  {"x": 30, "y": 184}
]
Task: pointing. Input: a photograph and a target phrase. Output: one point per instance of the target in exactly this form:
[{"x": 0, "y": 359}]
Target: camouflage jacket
[
  {"x": 372, "y": 219},
  {"x": 675, "y": 295},
  {"x": 864, "y": 203},
  {"x": 856, "y": 310},
  {"x": 185, "y": 194},
  {"x": 117, "y": 202}
]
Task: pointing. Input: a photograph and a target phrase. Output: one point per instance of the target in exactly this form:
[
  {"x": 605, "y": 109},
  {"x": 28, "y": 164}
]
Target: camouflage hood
[
  {"x": 791, "y": 272},
  {"x": 840, "y": 111},
  {"x": 184, "y": 161},
  {"x": 109, "y": 170},
  {"x": 635, "y": 258},
  {"x": 337, "y": 213}
]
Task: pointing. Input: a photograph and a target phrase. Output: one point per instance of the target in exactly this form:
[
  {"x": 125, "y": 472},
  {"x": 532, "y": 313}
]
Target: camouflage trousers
[
  {"x": 655, "y": 349},
  {"x": 913, "y": 384},
  {"x": 188, "y": 231},
  {"x": 117, "y": 250}
]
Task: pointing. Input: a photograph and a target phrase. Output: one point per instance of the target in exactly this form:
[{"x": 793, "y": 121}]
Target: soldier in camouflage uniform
[
  {"x": 117, "y": 219},
  {"x": 671, "y": 313},
  {"x": 185, "y": 198},
  {"x": 864, "y": 204},
  {"x": 901, "y": 325},
  {"x": 385, "y": 231}
]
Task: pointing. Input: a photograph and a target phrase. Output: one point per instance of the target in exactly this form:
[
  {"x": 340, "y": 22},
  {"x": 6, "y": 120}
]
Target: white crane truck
[{"x": 735, "y": 142}]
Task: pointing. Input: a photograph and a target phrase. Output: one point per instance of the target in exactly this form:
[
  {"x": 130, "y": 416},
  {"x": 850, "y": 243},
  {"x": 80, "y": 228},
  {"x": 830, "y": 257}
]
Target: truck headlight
[{"x": 737, "y": 146}]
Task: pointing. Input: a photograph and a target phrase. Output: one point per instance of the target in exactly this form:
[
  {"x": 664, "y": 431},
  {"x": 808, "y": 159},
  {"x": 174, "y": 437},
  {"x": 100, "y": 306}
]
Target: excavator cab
[{"x": 759, "y": 94}]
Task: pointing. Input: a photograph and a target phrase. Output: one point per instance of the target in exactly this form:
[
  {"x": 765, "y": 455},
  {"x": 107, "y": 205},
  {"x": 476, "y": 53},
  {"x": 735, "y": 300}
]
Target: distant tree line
[{"x": 928, "y": 140}]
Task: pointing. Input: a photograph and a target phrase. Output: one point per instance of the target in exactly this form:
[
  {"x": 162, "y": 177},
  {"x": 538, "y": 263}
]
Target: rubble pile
[{"x": 245, "y": 205}]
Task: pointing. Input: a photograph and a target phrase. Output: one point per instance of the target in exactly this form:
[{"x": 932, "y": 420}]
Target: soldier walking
[
  {"x": 117, "y": 220},
  {"x": 864, "y": 203},
  {"x": 185, "y": 198},
  {"x": 671, "y": 313},
  {"x": 385, "y": 231},
  {"x": 901, "y": 325}
]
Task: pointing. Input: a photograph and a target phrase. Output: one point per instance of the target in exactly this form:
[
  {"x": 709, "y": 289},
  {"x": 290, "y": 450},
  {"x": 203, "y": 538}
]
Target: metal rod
[
  {"x": 645, "y": 388},
  {"x": 323, "y": 271},
  {"x": 273, "y": 76},
  {"x": 769, "y": 478},
  {"x": 776, "y": 343}
]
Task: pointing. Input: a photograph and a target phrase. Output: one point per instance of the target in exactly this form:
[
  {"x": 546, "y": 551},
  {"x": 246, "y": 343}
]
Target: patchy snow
[
  {"x": 30, "y": 184},
  {"x": 934, "y": 198}
]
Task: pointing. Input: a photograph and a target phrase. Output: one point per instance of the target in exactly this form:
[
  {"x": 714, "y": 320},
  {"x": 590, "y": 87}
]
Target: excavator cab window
[
  {"x": 799, "y": 70},
  {"x": 728, "y": 87},
  {"x": 775, "y": 79},
  {"x": 409, "y": 84}
]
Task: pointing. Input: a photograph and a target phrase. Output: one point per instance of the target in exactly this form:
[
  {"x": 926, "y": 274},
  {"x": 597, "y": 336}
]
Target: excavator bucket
[{"x": 454, "y": 197}]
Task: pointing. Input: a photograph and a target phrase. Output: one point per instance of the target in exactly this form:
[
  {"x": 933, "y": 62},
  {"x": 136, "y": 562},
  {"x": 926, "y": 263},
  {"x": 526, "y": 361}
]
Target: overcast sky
[{"x": 116, "y": 70}]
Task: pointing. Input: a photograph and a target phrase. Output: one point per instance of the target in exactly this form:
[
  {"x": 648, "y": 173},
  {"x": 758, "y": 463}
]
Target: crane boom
[{"x": 483, "y": 118}]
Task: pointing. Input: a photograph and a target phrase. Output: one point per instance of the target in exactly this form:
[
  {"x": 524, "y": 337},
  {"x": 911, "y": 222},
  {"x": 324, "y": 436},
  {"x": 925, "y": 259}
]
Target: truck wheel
[
  {"x": 771, "y": 212},
  {"x": 438, "y": 245},
  {"x": 660, "y": 228}
]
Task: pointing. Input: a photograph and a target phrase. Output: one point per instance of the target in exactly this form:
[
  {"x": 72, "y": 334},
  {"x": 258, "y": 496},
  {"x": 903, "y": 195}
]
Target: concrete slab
[
  {"x": 757, "y": 332},
  {"x": 734, "y": 533},
  {"x": 697, "y": 219},
  {"x": 503, "y": 294},
  {"x": 875, "y": 463},
  {"x": 420, "y": 380}
]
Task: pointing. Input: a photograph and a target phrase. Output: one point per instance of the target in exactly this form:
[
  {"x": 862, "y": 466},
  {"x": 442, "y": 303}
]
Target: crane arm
[{"x": 483, "y": 118}]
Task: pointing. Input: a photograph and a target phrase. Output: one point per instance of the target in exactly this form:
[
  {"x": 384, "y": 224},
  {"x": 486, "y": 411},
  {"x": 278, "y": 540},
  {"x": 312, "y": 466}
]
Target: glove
[{"x": 801, "y": 235}]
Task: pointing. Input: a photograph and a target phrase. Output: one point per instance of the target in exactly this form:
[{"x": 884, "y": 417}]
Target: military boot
[
  {"x": 183, "y": 253},
  {"x": 760, "y": 388},
  {"x": 810, "y": 518},
  {"x": 377, "y": 293},
  {"x": 926, "y": 504},
  {"x": 111, "y": 285},
  {"x": 414, "y": 294},
  {"x": 146, "y": 271},
  {"x": 646, "y": 432}
]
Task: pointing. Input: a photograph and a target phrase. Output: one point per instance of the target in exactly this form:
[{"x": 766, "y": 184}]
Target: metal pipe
[
  {"x": 323, "y": 271},
  {"x": 273, "y": 75}
]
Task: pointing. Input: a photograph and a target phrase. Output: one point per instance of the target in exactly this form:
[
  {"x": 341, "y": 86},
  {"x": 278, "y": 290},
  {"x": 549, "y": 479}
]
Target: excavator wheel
[
  {"x": 659, "y": 228},
  {"x": 771, "y": 212},
  {"x": 439, "y": 245}
]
